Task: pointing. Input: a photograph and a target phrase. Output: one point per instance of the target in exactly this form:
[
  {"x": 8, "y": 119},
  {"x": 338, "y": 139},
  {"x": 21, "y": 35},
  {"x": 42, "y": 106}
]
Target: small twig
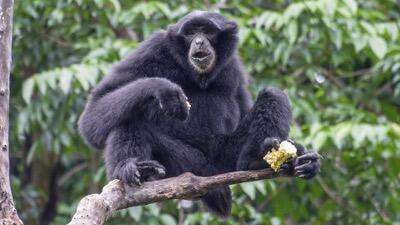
[
  {"x": 96, "y": 208},
  {"x": 332, "y": 77},
  {"x": 72, "y": 172},
  {"x": 335, "y": 197},
  {"x": 378, "y": 209}
]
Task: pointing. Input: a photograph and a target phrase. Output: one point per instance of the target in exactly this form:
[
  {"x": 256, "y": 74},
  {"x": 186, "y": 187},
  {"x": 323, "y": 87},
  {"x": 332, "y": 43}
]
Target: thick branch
[
  {"x": 96, "y": 208},
  {"x": 8, "y": 214}
]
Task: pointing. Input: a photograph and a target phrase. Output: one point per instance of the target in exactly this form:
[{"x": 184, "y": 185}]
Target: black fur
[{"x": 139, "y": 116}]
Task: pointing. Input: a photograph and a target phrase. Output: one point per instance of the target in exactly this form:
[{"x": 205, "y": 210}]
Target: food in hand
[{"x": 276, "y": 157}]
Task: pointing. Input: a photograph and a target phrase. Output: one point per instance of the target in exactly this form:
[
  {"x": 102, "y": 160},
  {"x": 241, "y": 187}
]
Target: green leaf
[
  {"x": 352, "y": 5},
  {"x": 260, "y": 187},
  {"x": 41, "y": 83},
  {"x": 292, "y": 31},
  {"x": 65, "y": 81},
  {"x": 244, "y": 35},
  {"x": 167, "y": 219},
  {"x": 116, "y": 4},
  {"x": 360, "y": 43},
  {"x": 261, "y": 36},
  {"x": 136, "y": 212},
  {"x": 153, "y": 209},
  {"x": 319, "y": 140},
  {"x": 293, "y": 11},
  {"x": 99, "y": 174},
  {"x": 378, "y": 46},
  {"x": 340, "y": 133},
  {"x": 27, "y": 89},
  {"x": 368, "y": 28},
  {"x": 249, "y": 189}
]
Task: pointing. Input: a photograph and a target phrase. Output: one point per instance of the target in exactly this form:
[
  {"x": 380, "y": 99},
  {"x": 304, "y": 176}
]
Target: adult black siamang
[{"x": 179, "y": 103}]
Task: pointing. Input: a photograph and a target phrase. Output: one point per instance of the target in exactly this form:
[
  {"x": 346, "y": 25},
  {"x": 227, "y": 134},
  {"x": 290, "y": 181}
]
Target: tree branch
[
  {"x": 8, "y": 213},
  {"x": 96, "y": 208}
]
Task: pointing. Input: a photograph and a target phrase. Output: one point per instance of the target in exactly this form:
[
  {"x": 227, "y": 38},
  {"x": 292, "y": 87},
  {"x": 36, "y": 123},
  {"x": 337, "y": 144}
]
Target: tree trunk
[{"x": 8, "y": 213}]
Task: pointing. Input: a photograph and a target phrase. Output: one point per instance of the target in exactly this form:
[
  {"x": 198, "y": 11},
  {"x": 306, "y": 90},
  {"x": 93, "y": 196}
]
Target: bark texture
[
  {"x": 8, "y": 213},
  {"x": 96, "y": 208}
]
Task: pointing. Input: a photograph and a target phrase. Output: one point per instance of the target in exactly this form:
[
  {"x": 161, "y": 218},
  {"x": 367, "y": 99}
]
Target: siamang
[{"x": 179, "y": 103}]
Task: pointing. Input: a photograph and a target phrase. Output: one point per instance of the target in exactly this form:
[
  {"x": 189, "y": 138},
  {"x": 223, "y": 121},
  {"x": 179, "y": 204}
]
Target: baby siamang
[{"x": 179, "y": 103}]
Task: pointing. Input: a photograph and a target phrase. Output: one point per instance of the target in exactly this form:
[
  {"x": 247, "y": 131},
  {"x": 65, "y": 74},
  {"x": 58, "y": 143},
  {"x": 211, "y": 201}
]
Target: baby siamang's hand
[
  {"x": 134, "y": 172},
  {"x": 174, "y": 103}
]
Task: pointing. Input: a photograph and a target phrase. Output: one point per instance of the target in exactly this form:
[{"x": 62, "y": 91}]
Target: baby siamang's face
[{"x": 200, "y": 39}]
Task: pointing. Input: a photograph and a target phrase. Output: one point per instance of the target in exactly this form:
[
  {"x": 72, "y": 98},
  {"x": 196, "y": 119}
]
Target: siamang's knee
[{"x": 273, "y": 99}]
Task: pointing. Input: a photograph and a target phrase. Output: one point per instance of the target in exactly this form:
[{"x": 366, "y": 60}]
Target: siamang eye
[
  {"x": 189, "y": 32},
  {"x": 209, "y": 32}
]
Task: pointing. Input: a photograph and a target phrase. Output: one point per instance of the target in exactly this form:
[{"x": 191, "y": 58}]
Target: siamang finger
[
  {"x": 131, "y": 179},
  {"x": 152, "y": 163},
  {"x": 306, "y": 166},
  {"x": 268, "y": 144},
  {"x": 284, "y": 167},
  {"x": 307, "y": 172},
  {"x": 150, "y": 171},
  {"x": 135, "y": 181},
  {"x": 307, "y": 176},
  {"x": 309, "y": 156}
]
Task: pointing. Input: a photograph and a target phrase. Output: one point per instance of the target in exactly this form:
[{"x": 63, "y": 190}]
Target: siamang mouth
[
  {"x": 201, "y": 55},
  {"x": 202, "y": 60}
]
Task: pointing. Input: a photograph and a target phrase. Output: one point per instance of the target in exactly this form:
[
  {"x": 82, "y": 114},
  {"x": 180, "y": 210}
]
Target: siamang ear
[
  {"x": 230, "y": 26},
  {"x": 224, "y": 26}
]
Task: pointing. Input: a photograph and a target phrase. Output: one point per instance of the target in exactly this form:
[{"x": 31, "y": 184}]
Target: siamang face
[
  {"x": 204, "y": 40},
  {"x": 201, "y": 38}
]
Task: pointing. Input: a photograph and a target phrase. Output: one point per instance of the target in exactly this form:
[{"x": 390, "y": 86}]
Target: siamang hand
[
  {"x": 134, "y": 172},
  {"x": 306, "y": 165},
  {"x": 255, "y": 160},
  {"x": 173, "y": 102}
]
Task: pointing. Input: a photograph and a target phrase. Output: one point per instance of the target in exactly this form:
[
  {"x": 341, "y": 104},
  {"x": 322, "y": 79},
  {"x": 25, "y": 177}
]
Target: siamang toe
[
  {"x": 127, "y": 172},
  {"x": 150, "y": 170},
  {"x": 307, "y": 165}
]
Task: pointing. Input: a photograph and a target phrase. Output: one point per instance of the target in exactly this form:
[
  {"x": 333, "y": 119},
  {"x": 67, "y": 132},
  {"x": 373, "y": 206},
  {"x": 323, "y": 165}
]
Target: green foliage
[{"x": 339, "y": 61}]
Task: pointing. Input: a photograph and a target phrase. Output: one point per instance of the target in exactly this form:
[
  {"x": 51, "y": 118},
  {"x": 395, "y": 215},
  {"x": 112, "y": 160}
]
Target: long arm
[{"x": 103, "y": 112}]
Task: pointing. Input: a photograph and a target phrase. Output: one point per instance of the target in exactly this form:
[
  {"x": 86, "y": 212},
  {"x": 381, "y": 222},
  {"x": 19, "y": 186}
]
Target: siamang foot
[
  {"x": 134, "y": 172},
  {"x": 174, "y": 103}
]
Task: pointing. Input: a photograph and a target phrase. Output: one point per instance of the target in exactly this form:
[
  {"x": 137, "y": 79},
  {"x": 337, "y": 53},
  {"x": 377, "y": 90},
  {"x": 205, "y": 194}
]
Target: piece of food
[{"x": 276, "y": 157}]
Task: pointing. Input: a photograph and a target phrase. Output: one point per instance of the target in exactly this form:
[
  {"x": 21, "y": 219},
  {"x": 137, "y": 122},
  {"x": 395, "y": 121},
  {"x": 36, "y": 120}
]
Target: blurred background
[{"x": 339, "y": 61}]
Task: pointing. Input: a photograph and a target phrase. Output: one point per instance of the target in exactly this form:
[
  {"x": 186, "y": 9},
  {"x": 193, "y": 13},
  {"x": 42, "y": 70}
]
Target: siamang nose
[{"x": 198, "y": 41}]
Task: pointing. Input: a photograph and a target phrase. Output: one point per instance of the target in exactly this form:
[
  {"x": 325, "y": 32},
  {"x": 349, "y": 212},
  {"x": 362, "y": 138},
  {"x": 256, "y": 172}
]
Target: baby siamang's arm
[{"x": 103, "y": 112}]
